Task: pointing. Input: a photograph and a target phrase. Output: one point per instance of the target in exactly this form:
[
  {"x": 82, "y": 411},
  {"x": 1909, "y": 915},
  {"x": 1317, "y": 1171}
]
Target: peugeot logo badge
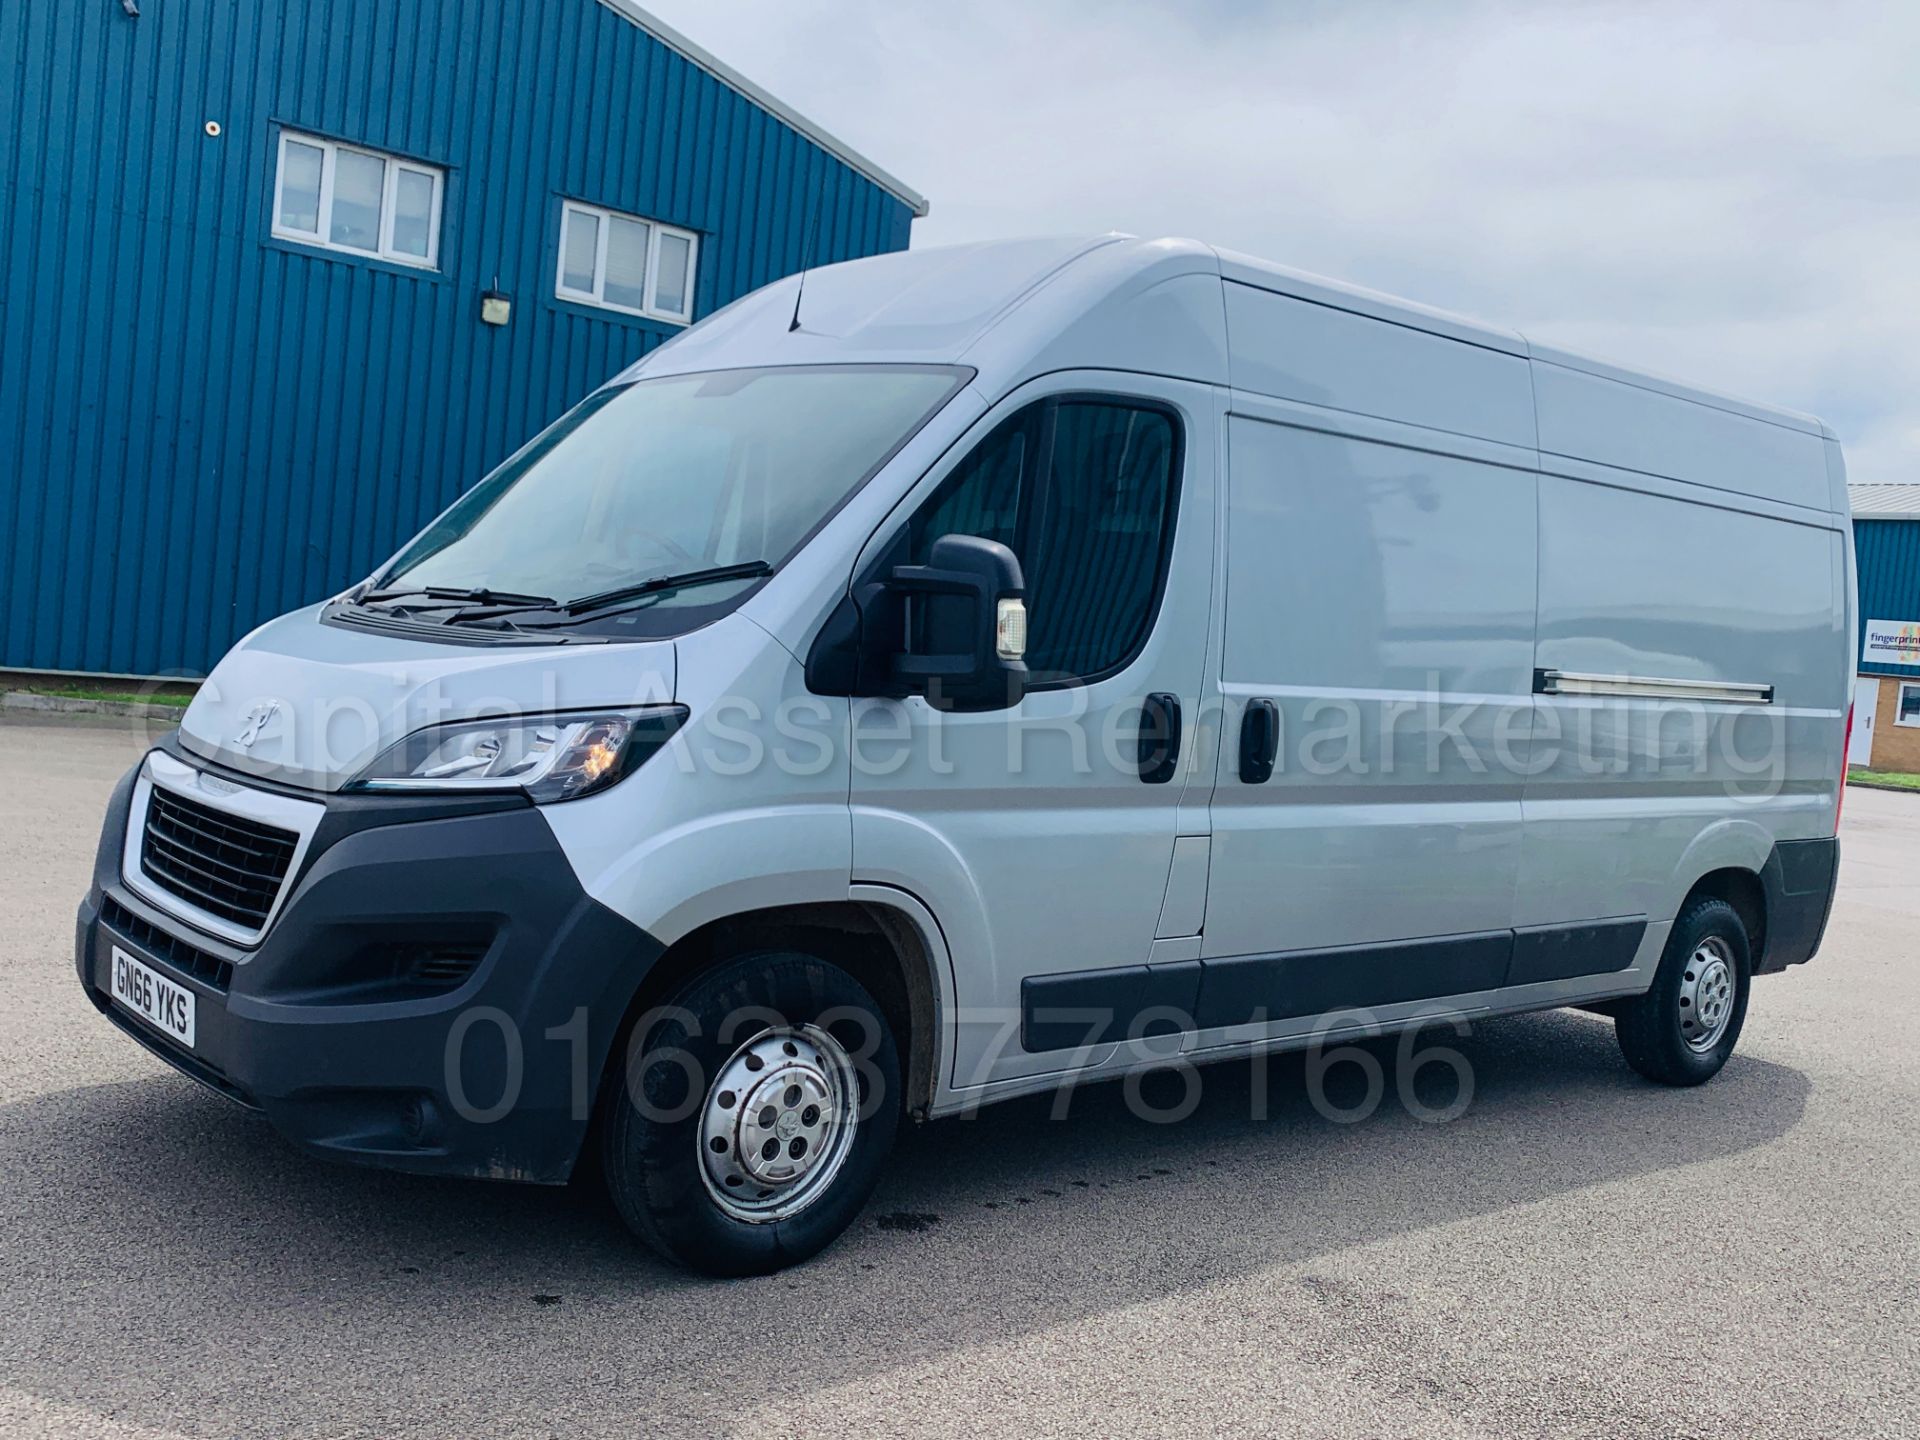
[{"x": 255, "y": 721}]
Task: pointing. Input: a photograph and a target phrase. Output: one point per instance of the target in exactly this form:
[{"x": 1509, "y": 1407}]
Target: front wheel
[
  {"x": 750, "y": 1122},
  {"x": 1683, "y": 1029}
]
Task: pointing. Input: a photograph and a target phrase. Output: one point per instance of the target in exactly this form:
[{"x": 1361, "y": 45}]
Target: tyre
[
  {"x": 748, "y": 1122},
  {"x": 1683, "y": 1029}
]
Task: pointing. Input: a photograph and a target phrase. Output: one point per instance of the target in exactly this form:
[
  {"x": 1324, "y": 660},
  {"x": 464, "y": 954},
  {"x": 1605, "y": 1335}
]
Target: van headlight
[{"x": 550, "y": 757}]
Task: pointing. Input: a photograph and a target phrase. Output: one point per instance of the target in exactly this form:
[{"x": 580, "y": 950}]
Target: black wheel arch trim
[{"x": 1798, "y": 882}]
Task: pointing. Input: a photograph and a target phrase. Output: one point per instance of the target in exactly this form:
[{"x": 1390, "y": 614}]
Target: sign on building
[{"x": 1892, "y": 642}]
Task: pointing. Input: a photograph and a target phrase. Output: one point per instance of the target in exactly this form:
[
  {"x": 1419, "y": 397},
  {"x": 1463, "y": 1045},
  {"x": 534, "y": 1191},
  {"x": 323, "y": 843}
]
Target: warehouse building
[
  {"x": 1886, "y": 699},
  {"x": 279, "y": 279}
]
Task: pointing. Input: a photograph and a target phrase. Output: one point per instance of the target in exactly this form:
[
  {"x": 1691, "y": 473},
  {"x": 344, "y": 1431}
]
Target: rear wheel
[
  {"x": 749, "y": 1123},
  {"x": 1683, "y": 1029}
]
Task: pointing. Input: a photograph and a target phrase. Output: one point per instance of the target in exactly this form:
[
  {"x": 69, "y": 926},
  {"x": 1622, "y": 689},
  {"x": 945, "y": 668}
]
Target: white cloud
[{"x": 1725, "y": 192}]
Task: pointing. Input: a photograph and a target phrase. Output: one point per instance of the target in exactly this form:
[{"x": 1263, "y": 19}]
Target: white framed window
[
  {"x": 342, "y": 197},
  {"x": 626, "y": 263},
  {"x": 1906, "y": 706}
]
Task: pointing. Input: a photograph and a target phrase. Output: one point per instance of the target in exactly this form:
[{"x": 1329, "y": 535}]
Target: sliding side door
[{"x": 1379, "y": 611}]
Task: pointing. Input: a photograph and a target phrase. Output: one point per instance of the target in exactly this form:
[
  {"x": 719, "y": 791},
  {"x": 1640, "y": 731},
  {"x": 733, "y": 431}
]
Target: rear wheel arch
[
  {"x": 1684, "y": 1028},
  {"x": 1746, "y": 893}
]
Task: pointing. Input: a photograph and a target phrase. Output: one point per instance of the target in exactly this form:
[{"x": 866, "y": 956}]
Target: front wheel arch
[
  {"x": 879, "y": 945},
  {"x": 728, "y": 1062}
]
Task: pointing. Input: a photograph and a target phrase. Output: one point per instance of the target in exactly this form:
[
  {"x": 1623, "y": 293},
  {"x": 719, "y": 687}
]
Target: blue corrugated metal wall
[
  {"x": 1887, "y": 553},
  {"x": 202, "y": 427}
]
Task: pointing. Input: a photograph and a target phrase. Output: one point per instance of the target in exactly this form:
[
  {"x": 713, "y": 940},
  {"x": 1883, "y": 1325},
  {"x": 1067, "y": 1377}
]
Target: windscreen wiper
[
  {"x": 586, "y": 604},
  {"x": 480, "y": 595}
]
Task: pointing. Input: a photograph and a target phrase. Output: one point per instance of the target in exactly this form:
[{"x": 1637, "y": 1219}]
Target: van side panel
[
  {"x": 1635, "y": 427},
  {"x": 1383, "y": 598},
  {"x": 1635, "y": 798},
  {"x": 1639, "y": 584},
  {"x": 1298, "y": 350}
]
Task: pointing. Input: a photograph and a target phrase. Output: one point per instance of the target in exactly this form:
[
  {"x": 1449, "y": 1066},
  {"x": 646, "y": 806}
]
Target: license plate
[{"x": 154, "y": 998}]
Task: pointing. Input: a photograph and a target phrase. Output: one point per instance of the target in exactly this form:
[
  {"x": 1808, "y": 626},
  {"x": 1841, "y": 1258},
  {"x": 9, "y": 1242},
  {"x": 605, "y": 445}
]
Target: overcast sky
[{"x": 1726, "y": 193}]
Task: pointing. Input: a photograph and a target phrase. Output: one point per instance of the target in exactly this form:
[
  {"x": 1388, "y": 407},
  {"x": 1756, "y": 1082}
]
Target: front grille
[
  {"x": 209, "y": 970},
  {"x": 228, "y": 866}
]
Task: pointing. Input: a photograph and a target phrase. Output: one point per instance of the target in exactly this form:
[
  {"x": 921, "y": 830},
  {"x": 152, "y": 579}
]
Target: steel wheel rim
[
  {"x": 777, "y": 1123},
  {"x": 1706, "y": 994}
]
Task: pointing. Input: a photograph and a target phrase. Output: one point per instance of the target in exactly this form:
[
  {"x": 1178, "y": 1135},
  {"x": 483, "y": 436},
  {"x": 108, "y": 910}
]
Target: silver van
[{"x": 952, "y": 674}]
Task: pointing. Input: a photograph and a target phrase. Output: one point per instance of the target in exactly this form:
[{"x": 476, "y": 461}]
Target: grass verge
[
  {"x": 78, "y": 692},
  {"x": 1886, "y": 779}
]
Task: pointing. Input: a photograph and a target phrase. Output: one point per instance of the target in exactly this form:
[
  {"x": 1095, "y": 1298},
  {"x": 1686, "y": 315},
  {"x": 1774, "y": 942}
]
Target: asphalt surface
[{"x": 1580, "y": 1253}]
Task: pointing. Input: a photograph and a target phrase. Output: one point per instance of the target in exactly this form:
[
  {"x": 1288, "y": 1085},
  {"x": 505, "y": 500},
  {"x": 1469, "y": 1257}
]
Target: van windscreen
[{"x": 672, "y": 476}]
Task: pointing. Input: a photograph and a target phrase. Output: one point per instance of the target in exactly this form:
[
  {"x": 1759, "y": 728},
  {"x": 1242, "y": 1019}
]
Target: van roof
[
  {"x": 943, "y": 305},
  {"x": 924, "y": 306}
]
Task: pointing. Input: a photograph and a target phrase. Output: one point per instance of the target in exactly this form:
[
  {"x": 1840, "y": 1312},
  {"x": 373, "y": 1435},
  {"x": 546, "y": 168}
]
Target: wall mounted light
[{"x": 496, "y": 307}]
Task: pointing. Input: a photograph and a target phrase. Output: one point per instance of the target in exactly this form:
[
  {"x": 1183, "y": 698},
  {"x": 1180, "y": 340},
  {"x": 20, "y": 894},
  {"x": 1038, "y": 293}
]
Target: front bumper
[{"x": 353, "y": 1051}]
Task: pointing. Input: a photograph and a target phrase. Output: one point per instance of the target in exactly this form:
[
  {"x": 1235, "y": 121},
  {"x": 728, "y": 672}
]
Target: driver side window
[{"x": 1082, "y": 490}]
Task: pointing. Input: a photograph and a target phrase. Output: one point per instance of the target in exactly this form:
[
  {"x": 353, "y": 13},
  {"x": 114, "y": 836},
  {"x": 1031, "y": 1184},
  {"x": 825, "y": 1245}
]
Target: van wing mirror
[
  {"x": 953, "y": 630},
  {"x": 963, "y": 626}
]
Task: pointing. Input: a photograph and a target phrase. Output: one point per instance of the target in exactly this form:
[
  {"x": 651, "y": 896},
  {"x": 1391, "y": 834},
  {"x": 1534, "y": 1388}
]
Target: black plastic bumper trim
[
  {"x": 1248, "y": 988},
  {"x": 1566, "y": 952},
  {"x": 1092, "y": 1007},
  {"x": 1798, "y": 880},
  {"x": 348, "y": 1063},
  {"x": 1096, "y": 1007}
]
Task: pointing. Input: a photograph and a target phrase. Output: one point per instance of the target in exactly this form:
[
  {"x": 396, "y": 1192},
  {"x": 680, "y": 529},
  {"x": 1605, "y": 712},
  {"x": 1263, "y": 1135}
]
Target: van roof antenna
[
  {"x": 798, "y": 291},
  {"x": 806, "y": 260}
]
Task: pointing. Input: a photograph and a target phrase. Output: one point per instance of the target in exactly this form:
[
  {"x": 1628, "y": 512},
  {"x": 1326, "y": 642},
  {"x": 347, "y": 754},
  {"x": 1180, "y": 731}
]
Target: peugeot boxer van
[{"x": 959, "y": 673}]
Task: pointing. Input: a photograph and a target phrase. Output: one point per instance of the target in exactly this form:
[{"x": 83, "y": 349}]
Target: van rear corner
[{"x": 1797, "y": 883}]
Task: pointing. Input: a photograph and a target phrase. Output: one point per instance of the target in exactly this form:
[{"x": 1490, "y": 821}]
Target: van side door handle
[
  {"x": 1259, "y": 741},
  {"x": 1159, "y": 738}
]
